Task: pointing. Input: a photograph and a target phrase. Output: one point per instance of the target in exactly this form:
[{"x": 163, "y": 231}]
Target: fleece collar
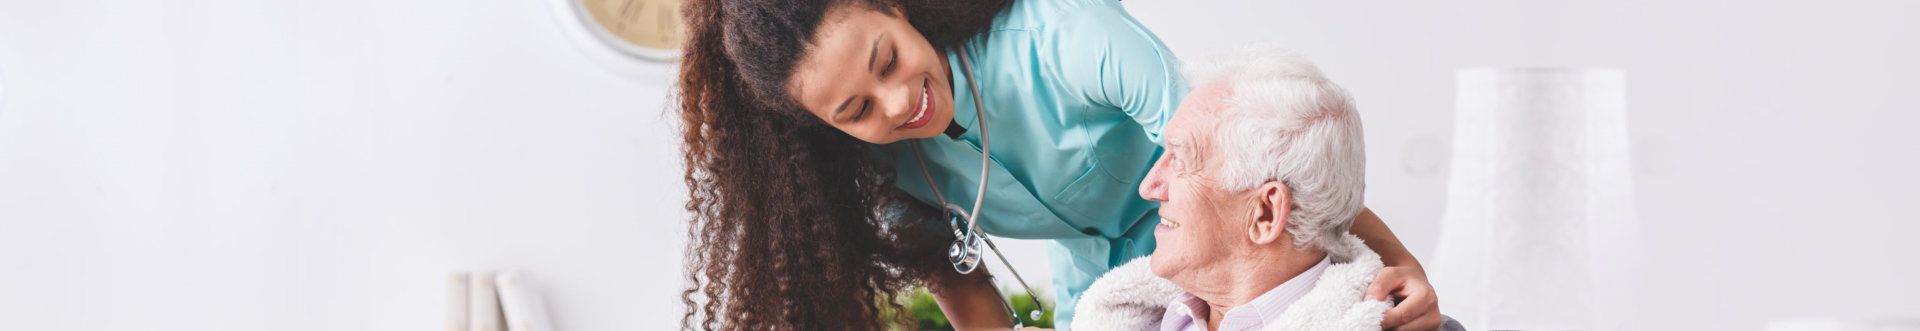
[{"x": 1130, "y": 297}]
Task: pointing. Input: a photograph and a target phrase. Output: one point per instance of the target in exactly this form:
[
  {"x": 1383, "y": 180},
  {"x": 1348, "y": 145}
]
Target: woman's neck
[{"x": 948, "y": 65}]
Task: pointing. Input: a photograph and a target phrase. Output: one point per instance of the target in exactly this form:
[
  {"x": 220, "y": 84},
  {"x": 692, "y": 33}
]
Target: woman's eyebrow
[
  {"x": 843, "y": 106},
  {"x": 871, "y": 54},
  {"x": 875, "y": 51}
]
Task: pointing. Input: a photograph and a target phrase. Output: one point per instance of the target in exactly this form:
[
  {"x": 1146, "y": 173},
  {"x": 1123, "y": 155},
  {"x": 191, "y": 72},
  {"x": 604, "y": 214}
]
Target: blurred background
[{"x": 321, "y": 165}]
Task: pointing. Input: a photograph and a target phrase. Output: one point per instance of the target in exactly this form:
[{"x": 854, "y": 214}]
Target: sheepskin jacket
[{"x": 1132, "y": 298}]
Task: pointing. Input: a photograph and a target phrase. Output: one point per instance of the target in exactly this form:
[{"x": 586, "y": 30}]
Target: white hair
[{"x": 1280, "y": 120}]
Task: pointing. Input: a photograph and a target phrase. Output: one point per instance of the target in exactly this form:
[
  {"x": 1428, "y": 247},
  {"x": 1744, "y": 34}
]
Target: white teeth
[
  {"x": 922, "y": 110},
  {"x": 917, "y": 115},
  {"x": 1168, "y": 223}
]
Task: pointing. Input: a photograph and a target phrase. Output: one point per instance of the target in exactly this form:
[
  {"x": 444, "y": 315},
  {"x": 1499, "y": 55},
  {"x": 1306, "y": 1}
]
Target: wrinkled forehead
[{"x": 1197, "y": 115}]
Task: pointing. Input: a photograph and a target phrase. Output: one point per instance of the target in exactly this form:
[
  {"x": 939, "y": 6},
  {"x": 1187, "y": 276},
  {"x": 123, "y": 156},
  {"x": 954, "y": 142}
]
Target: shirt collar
[
  {"x": 1181, "y": 314},
  {"x": 1250, "y": 316},
  {"x": 963, "y": 106}
]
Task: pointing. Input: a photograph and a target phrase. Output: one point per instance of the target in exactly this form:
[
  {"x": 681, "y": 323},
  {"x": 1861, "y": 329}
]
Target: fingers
[
  {"x": 1417, "y": 312},
  {"x": 1420, "y": 310},
  {"x": 1417, "y": 306},
  {"x": 1384, "y": 284},
  {"x": 1417, "y": 297},
  {"x": 1397, "y": 317}
]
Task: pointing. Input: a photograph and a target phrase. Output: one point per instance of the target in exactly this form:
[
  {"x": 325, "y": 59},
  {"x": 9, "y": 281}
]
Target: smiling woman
[
  {"x": 796, "y": 223},
  {"x": 899, "y": 74}
]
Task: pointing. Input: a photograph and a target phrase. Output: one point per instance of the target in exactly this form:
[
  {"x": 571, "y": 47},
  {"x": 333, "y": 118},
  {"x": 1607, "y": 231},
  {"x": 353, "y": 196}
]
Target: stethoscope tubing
[{"x": 973, "y": 224}]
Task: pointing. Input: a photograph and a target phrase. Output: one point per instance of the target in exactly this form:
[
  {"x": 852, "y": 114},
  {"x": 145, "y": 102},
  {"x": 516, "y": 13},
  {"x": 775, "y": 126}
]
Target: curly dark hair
[{"x": 796, "y": 225}]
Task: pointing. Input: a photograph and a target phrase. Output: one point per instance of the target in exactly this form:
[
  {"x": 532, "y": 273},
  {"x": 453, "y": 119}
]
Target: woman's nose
[{"x": 897, "y": 99}]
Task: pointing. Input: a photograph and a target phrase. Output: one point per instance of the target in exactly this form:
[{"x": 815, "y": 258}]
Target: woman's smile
[{"x": 922, "y": 109}]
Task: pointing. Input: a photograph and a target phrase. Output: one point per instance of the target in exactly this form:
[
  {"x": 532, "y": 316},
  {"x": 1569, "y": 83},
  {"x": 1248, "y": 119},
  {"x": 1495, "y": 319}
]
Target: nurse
[{"x": 801, "y": 120}]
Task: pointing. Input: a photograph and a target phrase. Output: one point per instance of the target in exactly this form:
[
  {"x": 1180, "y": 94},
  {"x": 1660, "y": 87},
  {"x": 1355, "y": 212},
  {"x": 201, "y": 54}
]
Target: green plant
[
  {"x": 927, "y": 315},
  {"x": 927, "y": 312}
]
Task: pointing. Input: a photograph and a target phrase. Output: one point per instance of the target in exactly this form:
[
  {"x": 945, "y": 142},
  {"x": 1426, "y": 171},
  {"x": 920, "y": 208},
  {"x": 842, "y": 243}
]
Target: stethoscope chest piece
[{"x": 965, "y": 251}]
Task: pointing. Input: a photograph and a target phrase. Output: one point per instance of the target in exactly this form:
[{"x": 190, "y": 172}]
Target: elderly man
[{"x": 1263, "y": 174}]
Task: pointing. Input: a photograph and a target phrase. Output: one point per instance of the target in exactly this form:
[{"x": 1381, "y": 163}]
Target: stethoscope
[{"x": 964, "y": 253}]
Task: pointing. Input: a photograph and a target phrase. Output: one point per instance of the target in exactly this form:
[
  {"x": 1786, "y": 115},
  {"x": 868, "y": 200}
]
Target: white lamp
[{"x": 1539, "y": 232}]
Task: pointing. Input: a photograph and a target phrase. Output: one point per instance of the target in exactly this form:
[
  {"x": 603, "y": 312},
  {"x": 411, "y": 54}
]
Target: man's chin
[{"x": 1159, "y": 266}]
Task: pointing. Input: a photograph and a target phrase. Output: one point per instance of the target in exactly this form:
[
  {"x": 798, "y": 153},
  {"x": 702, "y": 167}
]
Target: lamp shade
[{"x": 1539, "y": 231}]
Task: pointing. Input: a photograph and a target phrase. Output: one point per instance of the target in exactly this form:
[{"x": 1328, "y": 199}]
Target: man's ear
[{"x": 1271, "y": 201}]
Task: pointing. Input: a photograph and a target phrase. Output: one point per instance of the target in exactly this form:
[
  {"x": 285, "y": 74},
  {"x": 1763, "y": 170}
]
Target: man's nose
[{"x": 1154, "y": 188}]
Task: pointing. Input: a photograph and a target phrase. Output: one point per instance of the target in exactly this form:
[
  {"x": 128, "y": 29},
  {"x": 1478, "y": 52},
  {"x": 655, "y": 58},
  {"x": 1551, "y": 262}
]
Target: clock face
[{"x": 650, "y": 28}]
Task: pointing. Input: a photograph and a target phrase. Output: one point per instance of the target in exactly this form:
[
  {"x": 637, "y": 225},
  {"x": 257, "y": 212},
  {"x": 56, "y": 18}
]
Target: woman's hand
[
  {"x": 1418, "y": 308},
  {"x": 1403, "y": 278}
]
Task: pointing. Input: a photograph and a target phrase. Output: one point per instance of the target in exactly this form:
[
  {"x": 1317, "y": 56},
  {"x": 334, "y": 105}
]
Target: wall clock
[
  {"x": 644, "y": 29},
  {"x": 635, "y": 38}
]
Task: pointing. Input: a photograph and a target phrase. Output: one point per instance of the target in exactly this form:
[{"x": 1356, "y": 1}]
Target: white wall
[
  {"x": 309, "y": 165},
  {"x": 1774, "y": 140},
  {"x": 321, "y": 165}
]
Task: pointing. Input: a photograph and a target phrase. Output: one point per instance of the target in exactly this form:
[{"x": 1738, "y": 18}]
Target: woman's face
[{"x": 874, "y": 77}]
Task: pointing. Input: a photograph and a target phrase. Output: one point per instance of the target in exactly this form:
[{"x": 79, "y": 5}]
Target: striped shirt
[{"x": 1189, "y": 313}]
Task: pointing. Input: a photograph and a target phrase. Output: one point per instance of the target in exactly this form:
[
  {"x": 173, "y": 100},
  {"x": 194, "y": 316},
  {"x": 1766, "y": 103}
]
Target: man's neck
[{"x": 1256, "y": 275}]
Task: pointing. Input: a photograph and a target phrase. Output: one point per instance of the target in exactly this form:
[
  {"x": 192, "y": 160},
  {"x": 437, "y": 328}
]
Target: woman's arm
[
  {"x": 1114, "y": 61},
  {"x": 970, "y": 301},
  {"x": 1379, "y": 238},
  {"x": 1403, "y": 278}
]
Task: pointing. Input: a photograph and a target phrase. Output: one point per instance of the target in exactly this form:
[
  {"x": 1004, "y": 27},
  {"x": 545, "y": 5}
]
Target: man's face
[{"x": 1201, "y": 224}]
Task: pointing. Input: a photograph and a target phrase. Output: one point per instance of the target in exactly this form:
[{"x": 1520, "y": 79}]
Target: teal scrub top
[{"x": 1076, "y": 94}]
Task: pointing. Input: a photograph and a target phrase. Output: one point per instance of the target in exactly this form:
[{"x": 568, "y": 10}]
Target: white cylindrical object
[
  {"x": 483, "y": 303},
  {"x": 521, "y": 303},
  {"x": 1539, "y": 232},
  {"x": 457, "y": 305}
]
